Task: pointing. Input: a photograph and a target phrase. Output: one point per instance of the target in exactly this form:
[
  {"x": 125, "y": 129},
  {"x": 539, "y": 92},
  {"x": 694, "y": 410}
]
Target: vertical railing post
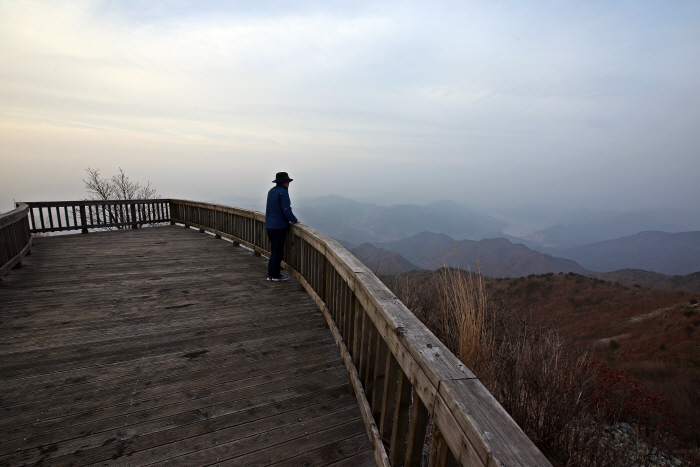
[
  {"x": 83, "y": 219},
  {"x": 134, "y": 224},
  {"x": 173, "y": 211}
]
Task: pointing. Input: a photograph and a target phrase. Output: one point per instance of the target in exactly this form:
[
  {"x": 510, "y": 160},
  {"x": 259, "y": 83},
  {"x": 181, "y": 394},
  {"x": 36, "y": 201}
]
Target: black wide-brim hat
[{"x": 282, "y": 177}]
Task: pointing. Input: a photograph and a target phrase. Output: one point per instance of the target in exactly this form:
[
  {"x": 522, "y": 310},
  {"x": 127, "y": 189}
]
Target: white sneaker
[{"x": 282, "y": 277}]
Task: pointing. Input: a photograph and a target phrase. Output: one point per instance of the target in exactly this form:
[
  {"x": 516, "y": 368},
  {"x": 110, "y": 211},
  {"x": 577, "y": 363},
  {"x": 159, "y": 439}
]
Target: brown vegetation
[
  {"x": 569, "y": 357},
  {"x": 689, "y": 282},
  {"x": 652, "y": 334}
]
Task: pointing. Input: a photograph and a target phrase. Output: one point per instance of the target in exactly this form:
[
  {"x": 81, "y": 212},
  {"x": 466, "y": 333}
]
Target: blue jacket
[{"x": 278, "y": 213}]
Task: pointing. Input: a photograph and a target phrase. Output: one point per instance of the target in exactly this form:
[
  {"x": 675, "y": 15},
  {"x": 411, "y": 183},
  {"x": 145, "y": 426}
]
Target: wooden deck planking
[{"x": 165, "y": 345}]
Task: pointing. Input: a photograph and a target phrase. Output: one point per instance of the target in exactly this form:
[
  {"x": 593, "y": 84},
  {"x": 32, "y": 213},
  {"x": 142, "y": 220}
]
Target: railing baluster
[
  {"x": 347, "y": 337},
  {"x": 357, "y": 334},
  {"x": 83, "y": 219},
  {"x": 31, "y": 214},
  {"x": 438, "y": 449},
  {"x": 134, "y": 225},
  {"x": 400, "y": 424},
  {"x": 58, "y": 218},
  {"x": 391, "y": 381},
  {"x": 416, "y": 433},
  {"x": 338, "y": 299},
  {"x": 364, "y": 346},
  {"x": 89, "y": 219},
  {"x": 371, "y": 356},
  {"x": 379, "y": 373}
]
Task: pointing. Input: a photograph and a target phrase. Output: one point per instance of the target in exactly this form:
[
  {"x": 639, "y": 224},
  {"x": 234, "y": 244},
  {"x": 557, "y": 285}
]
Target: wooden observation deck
[{"x": 168, "y": 346}]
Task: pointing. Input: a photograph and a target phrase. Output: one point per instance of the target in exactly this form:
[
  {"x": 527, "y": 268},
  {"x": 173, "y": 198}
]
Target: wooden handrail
[
  {"x": 15, "y": 238},
  {"x": 402, "y": 375},
  {"x": 59, "y": 216}
]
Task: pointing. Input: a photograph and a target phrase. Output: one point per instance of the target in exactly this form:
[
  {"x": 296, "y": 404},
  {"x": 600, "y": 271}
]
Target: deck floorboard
[{"x": 165, "y": 346}]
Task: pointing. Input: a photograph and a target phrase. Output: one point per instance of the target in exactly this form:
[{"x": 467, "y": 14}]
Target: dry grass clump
[
  {"x": 560, "y": 397},
  {"x": 463, "y": 318}
]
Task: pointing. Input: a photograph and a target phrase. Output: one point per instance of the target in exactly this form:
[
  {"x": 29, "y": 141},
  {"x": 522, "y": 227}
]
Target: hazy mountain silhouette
[
  {"x": 581, "y": 235},
  {"x": 557, "y": 227},
  {"x": 616, "y": 226},
  {"x": 496, "y": 257},
  {"x": 382, "y": 261},
  {"x": 668, "y": 253},
  {"x": 365, "y": 222}
]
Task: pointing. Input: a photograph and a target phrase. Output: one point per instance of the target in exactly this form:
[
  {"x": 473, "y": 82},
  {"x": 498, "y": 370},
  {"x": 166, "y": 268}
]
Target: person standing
[{"x": 278, "y": 215}]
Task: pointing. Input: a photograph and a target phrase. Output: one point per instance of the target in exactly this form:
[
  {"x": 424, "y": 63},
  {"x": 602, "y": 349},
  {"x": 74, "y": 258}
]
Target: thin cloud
[{"x": 500, "y": 103}]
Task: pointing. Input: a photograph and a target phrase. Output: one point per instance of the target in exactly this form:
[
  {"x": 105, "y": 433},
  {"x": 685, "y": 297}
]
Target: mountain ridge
[
  {"x": 663, "y": 252},
  {"x": 494, "y": 257}
]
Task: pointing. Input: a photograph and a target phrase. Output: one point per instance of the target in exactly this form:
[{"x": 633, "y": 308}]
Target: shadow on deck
[{"x": 164, "y": 346}]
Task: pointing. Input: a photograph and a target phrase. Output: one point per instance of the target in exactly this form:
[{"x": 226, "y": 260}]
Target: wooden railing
[
  {"x": 15, "y": 238},
  {"x": 58, "y": 216},
  {"x": 404, "y": 378}
]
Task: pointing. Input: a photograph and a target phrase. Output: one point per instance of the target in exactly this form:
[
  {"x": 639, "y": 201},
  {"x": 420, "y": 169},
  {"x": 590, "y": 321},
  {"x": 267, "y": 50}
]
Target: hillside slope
[
  {"x": 651, "y": 333},
  {"x": 650, "y": 279},
  {"x": 381, "y": 261}
]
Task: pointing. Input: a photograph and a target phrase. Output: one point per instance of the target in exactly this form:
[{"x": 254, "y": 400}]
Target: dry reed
[{"x": 465, "y": 307}]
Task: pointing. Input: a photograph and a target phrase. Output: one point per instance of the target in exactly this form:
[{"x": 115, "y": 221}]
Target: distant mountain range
[
  {"x": 564, "y": 239},
  {"x": 360, "y": 223},
  {"x": 496, "y": 257},
  {"x": 555, "y": 227},
  {"x": 618, "y": 225},
  {"x": 668, "y": 253},
  {"x": 511, "y": 261}
]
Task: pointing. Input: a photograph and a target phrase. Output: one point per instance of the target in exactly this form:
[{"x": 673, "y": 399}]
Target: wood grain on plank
[{"x": 163, "y": 344}]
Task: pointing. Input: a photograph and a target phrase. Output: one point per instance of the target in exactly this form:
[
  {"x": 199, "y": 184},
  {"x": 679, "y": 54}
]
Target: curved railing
[
  {"x": 402, "y": 375},
  {"x": 15, "y": 238}
]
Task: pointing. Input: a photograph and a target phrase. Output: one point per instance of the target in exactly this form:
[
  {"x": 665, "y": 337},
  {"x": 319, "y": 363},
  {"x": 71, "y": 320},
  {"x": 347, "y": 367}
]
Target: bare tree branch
[
  {"x": 117, "y": 187},
  {"x": 98, "y": 187}
]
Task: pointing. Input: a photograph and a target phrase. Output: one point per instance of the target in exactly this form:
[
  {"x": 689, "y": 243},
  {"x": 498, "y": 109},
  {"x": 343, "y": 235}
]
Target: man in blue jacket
[{"x": 278, "y": 215}]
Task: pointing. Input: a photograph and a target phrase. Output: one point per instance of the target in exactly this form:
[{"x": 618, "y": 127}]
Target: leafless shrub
[{"x": 117, "y": 187}]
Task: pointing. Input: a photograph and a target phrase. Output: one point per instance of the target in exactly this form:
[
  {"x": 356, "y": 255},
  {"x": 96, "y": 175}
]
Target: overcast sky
[{"x": 493, "y": 103}]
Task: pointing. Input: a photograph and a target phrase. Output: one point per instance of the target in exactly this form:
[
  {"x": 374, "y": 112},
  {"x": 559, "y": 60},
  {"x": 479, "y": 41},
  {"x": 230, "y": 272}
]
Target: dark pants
[{"x": 277, "y": 238}]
